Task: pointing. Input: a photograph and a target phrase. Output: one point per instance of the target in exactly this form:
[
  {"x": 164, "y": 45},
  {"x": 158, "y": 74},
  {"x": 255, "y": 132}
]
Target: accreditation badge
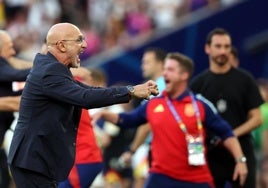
[{"x": 196, "y": 150}]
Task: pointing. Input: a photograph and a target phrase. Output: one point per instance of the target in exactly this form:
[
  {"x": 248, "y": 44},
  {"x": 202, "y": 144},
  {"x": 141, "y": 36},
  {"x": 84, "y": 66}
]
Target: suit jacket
[{"x": 45, "y": 135}]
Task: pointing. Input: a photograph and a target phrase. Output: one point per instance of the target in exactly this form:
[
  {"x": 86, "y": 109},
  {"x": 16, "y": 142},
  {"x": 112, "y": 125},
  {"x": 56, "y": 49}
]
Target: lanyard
[{"x": 178, "y": 118}]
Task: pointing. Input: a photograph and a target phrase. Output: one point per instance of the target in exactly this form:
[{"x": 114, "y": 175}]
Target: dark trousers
[
  {"x": 29, "y": 179},
  {"x": 156, "y": 180}
]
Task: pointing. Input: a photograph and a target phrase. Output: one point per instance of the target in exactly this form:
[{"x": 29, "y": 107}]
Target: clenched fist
[{"x": 145, "y": 90}]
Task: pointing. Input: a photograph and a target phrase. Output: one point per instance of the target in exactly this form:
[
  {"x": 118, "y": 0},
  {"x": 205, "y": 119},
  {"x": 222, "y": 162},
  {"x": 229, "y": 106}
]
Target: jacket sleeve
[
  {"x": 9, "y": 74},
  {"x": 58, "y": 85},
  {"x": 134, "y": 118}
]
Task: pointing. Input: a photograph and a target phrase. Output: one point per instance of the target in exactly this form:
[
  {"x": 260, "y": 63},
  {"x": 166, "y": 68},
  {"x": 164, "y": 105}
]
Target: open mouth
[
  {"x": 167, "y": 81},
  {"x": 78, "y": 56},
  {"x": 78, "y": 59}
]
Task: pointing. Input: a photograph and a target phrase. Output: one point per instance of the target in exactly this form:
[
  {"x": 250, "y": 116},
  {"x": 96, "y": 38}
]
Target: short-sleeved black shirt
[{"x": 233, "y": 94}]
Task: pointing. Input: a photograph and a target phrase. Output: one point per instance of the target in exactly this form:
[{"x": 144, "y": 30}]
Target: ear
[
  {"x": 207, "y": 48},
  {"x": 185, "y": 75},
  {"x": 61, "y": 46}
]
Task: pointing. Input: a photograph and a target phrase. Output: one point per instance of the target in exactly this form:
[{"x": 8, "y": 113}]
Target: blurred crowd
[{"x": 106, "y": 23}]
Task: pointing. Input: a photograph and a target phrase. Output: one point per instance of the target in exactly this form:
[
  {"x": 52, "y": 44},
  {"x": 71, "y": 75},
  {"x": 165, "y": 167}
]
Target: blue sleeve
[
  {"x": 214, "y": 122},
  {"x": 134, "y": 118},
  {"x": 9, "y": 74}
]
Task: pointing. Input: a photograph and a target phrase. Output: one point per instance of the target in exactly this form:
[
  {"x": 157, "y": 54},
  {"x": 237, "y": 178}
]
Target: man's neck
[
  {"x": 179, "y": 91},
  {"x": 217, "y": 69}
]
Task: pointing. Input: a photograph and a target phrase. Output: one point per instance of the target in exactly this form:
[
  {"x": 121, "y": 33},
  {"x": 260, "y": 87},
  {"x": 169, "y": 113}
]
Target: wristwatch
[
  {"x": 242, "y": 159},
  {"x": 131, "y": 90}
]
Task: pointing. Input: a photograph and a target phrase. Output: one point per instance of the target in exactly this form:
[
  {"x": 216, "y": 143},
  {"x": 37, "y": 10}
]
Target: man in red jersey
[{"x": 179, "y": 120}]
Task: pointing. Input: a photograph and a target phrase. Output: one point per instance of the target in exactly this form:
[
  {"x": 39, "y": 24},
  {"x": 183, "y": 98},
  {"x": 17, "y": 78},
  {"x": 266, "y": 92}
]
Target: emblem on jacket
[
  {"x": 189, "y": 110},
  {"x": 159, "y": 108},
  {"x": 221, "y": 105}
]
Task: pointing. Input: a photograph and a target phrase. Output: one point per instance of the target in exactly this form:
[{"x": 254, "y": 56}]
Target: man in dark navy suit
[
  {"x": 43, "y": 146},
  {"x": 10, "y": 70}
]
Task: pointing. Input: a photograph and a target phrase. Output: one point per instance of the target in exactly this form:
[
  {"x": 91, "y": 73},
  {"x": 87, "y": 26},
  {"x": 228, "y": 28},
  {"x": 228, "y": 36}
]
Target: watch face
[
  {"x": 242, "y": 160},
  {"x": 130, "y": 89}
]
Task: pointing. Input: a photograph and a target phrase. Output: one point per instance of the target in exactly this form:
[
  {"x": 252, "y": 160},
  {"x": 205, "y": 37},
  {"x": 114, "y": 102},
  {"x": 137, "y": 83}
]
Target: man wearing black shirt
[{"x": 236, "y": 96}]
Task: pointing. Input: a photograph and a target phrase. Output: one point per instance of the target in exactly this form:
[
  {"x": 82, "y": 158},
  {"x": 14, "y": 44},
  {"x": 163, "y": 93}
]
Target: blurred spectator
[
  {"x": 197, "y": 4},
  {"x": 263, "y": 181},
  {"x": 261, "y": 133},
  {"x": 99, "y": 78},
  {"x": 234, "y": 57},
  {"x": 42, "y": 14},
  {"x": 261, "y": 137},
  {"x": 139, "y": 149},
  {"x": 165, "y": 13},
  {"x": 16, "y": 25},
  {"x": 138, "y": 21},
  {"x": 107, "y": 23},
  {"x": 8, "y": 74},
  {"x": 9, "y": 103},
  {"x": 2, "y": 14},
  {"x": 73, "y": 11},
  {"x": 114, "y": 25},
  {"x": 97, "y": 13}
]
